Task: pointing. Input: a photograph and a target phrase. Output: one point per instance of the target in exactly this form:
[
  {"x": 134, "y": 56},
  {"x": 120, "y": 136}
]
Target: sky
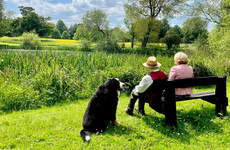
[{"x": 71, "y": 11}]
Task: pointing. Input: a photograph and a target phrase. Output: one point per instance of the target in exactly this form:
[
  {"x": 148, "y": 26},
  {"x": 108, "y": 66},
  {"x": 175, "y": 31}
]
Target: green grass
[
  {"x": 35, "y": 80},
  {"x": 58, "y": 127}
]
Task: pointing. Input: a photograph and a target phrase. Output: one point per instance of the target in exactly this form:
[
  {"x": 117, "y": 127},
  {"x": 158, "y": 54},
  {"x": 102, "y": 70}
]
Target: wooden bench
[{"x": 168, "y": 101}]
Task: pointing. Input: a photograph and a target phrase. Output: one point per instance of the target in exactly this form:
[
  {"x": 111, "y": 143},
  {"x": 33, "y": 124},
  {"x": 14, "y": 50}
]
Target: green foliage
[
  {"x": 193, "y": 28},
  {"x": 165, "y": 27},
  {"x": 15, "y": 25},
  {"x": 65, "y": 35},
  {"x": 30, "y": 40},
  {"x": 60, "y": 25},
  {"x": 25, "y": 11},
  {"x": 149, "y": 11},
  {"x": 110, "y": 45},
  {"x": 143, "y": 26},
  {"x": 85, "y": 45},
  {"x": 72, "y": 30},
  {"x": 31, "y": 21},
  {"x": 46, "y": 78},
  {"x": 177, "y": 30},
  {"x": 211, "y": 10},
  {"x": 118, "y": 34},
  {"x": 81, "y": 33},
  {"x": 96, "y": 21},
  {"x": 172, "y": 40},
  {"x": 200, "y": 70},
  {"x": 1, "y": 18},
  {"x": 56, "y": 34}
]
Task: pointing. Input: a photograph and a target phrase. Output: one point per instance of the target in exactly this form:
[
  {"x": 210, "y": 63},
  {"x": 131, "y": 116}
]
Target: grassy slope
[{"x": 58, "y": 128}]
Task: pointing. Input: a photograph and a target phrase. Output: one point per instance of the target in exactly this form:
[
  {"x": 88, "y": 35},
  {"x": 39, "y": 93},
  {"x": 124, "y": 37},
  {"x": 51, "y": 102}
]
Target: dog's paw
[{"x": 116, "y": 123}]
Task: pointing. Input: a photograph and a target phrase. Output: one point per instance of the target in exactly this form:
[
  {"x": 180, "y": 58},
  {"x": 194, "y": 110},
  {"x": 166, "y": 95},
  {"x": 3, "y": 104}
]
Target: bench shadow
[{"x": 191, "y": 124}]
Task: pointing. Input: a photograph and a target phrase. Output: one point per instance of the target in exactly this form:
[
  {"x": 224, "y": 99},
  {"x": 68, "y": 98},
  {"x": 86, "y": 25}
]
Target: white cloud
[{"x": 72, "y": 12}]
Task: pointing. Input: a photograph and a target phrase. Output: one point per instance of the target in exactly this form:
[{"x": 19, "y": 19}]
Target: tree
[
  {"x": 25, "y": 10},
  {"x": 118, "y": 34},
  {"x": 30, "y": 21},
  {"x": 96, "y": 21},
  {"x": 142, "y": 27},
  {"x": 61, "y": 26},
  {"x": 6, "y": 24},
  {"x": 65, "y": 35},
  {"x": 209, "y": 10},
  {"x": 129, "y": 21},
  {"x": 219, "y": 37},
  {"x": 1, "y": 9},
  {"x": 81, "y": 33},
  {"x": 56, "y": 34},
  {"x": 72, "y": 30},
  {"x": 177, "y": 29},
  {"x": 192, "y": 28},
  {"x": 16, "y": 27},
  {"x": 1, "y": 18},
  {"x": 151, "y": 9},
  {"x": 164, "y": 28},
  {"x": 171, "y": 39}
]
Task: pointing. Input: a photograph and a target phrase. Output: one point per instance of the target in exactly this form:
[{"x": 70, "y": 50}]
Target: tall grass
[{"x": 31, "y": 80}]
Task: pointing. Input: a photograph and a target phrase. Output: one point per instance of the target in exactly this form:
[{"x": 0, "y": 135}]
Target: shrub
[
  {"x": 172, "y": 40},
  {"x": 109, "y": 46},
  {"x": 56, "y": 34},
  {"x": 65, "y": 35},
  {"x": 200, "y": 70},
  {"x": 85, "y": 45},
  {"x": 31, "y": 40}
]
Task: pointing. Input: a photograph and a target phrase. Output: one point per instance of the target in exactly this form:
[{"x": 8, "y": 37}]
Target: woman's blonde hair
[{"x": 181, "y": 58}]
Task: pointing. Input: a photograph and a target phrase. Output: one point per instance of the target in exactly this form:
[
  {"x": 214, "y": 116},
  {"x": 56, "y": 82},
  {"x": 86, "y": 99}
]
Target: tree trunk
[
  {"x": 146, "y": 37},
  {"x": 132, "y": 41}
]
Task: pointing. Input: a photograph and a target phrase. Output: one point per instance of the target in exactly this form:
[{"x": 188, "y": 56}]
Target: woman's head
[{"x": 181, "y": 58}]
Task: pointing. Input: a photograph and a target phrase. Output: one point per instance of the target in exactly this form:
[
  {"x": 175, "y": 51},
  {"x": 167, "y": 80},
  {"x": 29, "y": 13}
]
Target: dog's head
[{"x": 115, "y": 83}]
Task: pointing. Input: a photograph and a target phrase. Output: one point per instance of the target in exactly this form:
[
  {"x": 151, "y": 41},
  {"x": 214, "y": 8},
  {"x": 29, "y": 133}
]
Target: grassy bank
[{"x": 58, "y": 127}]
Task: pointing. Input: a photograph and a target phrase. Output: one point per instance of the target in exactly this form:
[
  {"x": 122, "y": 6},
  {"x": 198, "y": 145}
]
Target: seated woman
[{"x": 181, "y": 71}]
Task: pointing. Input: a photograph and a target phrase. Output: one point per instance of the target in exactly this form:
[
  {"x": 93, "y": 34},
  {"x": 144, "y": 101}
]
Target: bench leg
[
  {"x": 221, "y": 110},
  {"x": 170, "y": 115}
]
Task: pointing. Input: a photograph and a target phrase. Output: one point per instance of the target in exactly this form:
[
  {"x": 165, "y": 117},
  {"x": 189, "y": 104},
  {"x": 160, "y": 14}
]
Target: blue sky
[{"x": 71, "y": 11}]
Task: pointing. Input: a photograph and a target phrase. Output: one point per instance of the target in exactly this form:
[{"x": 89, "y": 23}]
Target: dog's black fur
[{"x": 101, "y": 108}]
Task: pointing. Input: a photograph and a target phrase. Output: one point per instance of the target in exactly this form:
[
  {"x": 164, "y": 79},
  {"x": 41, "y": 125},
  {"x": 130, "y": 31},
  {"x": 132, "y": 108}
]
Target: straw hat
[
  {"x": 181, "y": 57},
  {"x": 152, "y": 63}
]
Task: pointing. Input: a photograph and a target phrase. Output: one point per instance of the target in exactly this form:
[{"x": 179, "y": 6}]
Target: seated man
[{"x": 146, "y": 89}]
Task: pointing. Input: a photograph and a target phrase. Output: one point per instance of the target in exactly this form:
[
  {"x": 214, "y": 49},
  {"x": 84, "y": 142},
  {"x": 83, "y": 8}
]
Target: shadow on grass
[
  {"x": 191, "y": 124},
  {"x": 119, "y": 130}
]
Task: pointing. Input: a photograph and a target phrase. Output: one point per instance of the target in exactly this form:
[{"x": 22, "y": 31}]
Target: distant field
[{"x": 65, "y": 44}]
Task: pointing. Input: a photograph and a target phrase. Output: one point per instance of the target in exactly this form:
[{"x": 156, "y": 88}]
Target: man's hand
[{"x": 134, "y": 92}]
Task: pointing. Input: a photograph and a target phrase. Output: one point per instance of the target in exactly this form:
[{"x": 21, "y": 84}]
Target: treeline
[
  {"x": 95, "y": 27},
  {"x": 141, "y": 20}
]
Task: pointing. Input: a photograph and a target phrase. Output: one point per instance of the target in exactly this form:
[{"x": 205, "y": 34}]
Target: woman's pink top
[{"x": 180, "y": 72}]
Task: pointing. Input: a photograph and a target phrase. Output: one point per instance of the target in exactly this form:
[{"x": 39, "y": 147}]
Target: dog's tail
[{"x": 85, "y": 134}]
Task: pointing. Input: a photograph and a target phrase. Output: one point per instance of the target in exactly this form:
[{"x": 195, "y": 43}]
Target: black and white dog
[{"x": 101, "y": 108}]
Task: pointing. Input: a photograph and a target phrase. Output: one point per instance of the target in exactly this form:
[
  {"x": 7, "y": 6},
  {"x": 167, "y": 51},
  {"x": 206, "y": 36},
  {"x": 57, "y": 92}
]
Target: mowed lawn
[{"x": 58, "y": 127}]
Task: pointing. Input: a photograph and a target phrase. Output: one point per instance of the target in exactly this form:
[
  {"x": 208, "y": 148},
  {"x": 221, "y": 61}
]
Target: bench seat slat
[{"x": 196, "y": 96}]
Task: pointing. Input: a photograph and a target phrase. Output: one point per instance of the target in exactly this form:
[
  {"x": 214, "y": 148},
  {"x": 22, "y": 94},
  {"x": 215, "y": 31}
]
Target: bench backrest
[
  {"x": 219, "y": 81},
  {"x": 198, "y": 81},
  {"x": 171, "y": 84}
]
